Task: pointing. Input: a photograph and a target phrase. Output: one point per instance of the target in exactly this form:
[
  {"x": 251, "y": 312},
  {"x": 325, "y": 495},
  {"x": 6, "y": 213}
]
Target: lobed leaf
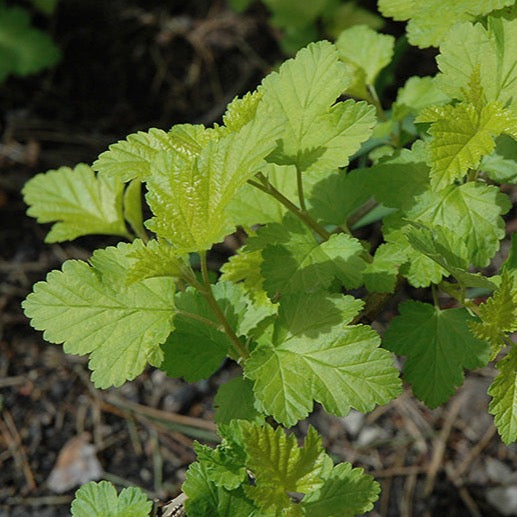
[
  {"x": 416, "y": 94},
  {"x": 314, "y": 354},
  {"x": 462, "y": 135},
  {"x": 278, "y": 470},
  {"x": 225, "y": 465},
  {"x": 368, "y": 52},
  {"x": 281, "y": 467},
  {"x": 438, "y": 346},
  {"x": 198, "y": 345},
  {"x": 504, "y": 397},
  {"x": 318, "y": 134},
  {"x": 498, "y": 315},
  {"x": 399, "y": 10},
  {"x": 346, "y": 492},
  {"x": 155, "y": 259},
  {"x": 131, "y": 158},
  {"x": 241, "y": 111},
  {"x": 189, "y": 196},
  {"x": 235, "y": 401},
  {"x": 207, "y": 498},
  {"x": 448, "y": 250},
  {"x": 490, "y": 50},
  {"x": 500, "y": 165},
  {"x": 419, "y": 269},
  {"x": 77, "y": 201},
  {"x": 101, "y": 500},
  {"x": 472, "y": 211},
  {"x": 293, "y": 261},
  {"x": 425, "y": 29},
  {"x": 380, "y": 276},
  {"x": 91, "y": 311}
]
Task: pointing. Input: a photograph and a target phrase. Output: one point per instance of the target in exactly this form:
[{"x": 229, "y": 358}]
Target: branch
[{"x": 269, "y": 189}]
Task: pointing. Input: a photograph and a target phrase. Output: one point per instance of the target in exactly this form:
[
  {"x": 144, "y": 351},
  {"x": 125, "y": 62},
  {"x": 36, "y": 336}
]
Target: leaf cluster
[
  {"x": 300, "y": 165},
  {"x": 258, "y": 470}
]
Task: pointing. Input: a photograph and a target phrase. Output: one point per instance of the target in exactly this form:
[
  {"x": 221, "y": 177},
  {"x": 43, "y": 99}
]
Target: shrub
[{"x": 300, "y": 170}]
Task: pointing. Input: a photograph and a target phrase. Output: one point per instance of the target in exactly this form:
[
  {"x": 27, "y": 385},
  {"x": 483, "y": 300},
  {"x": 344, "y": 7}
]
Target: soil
[{"x": 129, "y": 65}]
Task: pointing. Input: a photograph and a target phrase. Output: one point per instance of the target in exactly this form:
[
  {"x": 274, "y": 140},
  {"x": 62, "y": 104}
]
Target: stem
[
  {"x": 141, "y": 234},
  {"x": 206, "y": 291},
  {"x": 361, "y": 212},
  {"x": 374, "y": 99},
  {"x": 435, "y": 296},
  {"x": 301, "y": 195},
  {"x": 199, "y": 318},
  {"x": 375, "y": 302},
  {"x": 301, "y": 214}
]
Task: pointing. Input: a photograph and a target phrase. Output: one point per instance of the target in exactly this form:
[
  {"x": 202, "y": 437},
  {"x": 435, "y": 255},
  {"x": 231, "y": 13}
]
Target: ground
[{"x": 128, "y": 66}]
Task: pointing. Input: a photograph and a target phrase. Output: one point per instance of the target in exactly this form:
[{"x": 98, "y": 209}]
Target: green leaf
[
  {"x": 77, "y": 201},
  {"x": 318, "y": 134},
  {"x": 399, "y": 10},
  {"x": 189, "y": 197},
  {"x": 101, "y": 500},
  {"x": 198, "y": 344},
  {"x": 425, "y": 29},
  {"x": 472, "y": 211},
  {"x": 335, "y": 197},
  {"x": 448, "y": 250},
  {"x": 91, "y": 311},
  {"x": 294, "y": 261},
  {"x": 498, "y": 315},
  {"x": 155, "y": 259},
  {"x": 500, "y": 165},
  {"x": 131, "y": 158},
  {"x": 439, "y": 346},
  {"x": 133, "y": 207},
  {"x": 244, "y": 267},
  {"x": 368, "y": 52},
  {"x": 440, "y": 244},
  {"x": 241, "y": 111},
  {"x": 346, "y": 492},
  {"x": 398, "y": 179},
  {"x": 188, "y": 140},
  {"x": 504, "y": 397},
  {"x": 510, "y": 264},
  {"x": 280, "y": 466},
  {"x": 418, "y": 93},
  {"x": 419, "y": 269},
  {"x": 316, "y": 355},
  {"x": 461, "y": 136},
  {"x": 244, "y": 270},
  {"x": 235, "y": 401},
  {"x": 23, "y": 49},
  {"x": 380, "y": 276},
  {"x": 206, "y": 498},
  {"x": 270, "y": 468},
  {"x": 252, "y": 206},
  {"x": 347, "y": 15},
  {"x": 490, "y": 50},
  {"x": 224, "y": 465},
  {"x": 287, "y": 13},
  {"x": 339, "y": 195}
]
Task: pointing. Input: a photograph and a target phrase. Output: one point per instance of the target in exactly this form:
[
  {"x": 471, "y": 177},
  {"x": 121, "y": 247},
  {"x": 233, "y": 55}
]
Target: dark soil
[{"x": 130, "y": 65}]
